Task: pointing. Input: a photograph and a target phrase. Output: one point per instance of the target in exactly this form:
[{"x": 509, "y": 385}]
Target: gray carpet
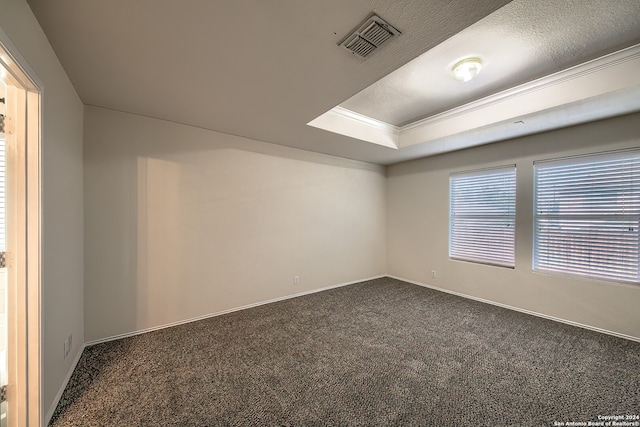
[{"x": 378, "y": 353}]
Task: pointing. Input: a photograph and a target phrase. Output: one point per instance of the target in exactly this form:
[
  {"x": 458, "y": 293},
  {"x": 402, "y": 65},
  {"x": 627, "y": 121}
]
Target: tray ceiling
[{"x": 264, "y": 69}]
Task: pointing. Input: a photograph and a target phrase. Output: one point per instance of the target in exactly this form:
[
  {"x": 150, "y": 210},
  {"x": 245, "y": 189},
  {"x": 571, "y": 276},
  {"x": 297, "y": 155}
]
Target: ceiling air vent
[{"x": 369, "y": 36}]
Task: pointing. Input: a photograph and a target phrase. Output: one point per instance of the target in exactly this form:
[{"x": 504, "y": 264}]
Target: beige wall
[
  {"x": 183, "y": 222},
  {"x": 62, "y": 216},
  {"x": 418, "y": 221}
]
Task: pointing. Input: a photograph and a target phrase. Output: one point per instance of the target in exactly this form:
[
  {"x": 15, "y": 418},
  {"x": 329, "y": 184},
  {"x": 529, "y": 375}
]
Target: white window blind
[
  {"x": 3, "y": 245},
  {"x": 482, "y": 216},
  {"x": 586, "y": 216}
]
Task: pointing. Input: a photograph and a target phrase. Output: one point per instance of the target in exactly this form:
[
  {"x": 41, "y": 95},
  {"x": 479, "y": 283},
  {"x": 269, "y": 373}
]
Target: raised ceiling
[
  {"x": 522, "y": 41},
  {"x": 264, "y": 69}
]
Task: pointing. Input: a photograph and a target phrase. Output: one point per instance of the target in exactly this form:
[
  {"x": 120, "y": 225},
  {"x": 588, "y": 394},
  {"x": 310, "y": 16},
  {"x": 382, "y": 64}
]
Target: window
[
  {"x": 482, "y": 216},
  {"x": 3, "y": 246},
  {"x": 586, "y": 216}
]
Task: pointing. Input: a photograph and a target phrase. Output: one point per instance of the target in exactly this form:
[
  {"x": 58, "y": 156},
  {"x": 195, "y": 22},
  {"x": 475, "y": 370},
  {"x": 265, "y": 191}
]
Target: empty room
[{"x": 310, "y": 213}]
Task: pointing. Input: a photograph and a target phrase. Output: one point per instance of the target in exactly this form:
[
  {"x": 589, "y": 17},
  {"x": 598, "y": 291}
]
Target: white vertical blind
[
  {"x": 482, "y": 216},
  {"x": 586, "y": 216}
]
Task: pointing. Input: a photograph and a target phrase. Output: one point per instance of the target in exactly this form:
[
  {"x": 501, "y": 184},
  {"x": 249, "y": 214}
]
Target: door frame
[{"x": 25, "y": 395}]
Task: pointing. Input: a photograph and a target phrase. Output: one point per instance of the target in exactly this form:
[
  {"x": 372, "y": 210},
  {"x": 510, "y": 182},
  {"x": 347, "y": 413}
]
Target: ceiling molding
[
  {"x": 564, "y": 93},
  {"x": 350, "y": 123},
  {"x": 593, "y": 66}
]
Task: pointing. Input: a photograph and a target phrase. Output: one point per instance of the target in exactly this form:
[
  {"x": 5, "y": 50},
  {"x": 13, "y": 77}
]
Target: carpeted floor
[{"x": 378, "y": 353}]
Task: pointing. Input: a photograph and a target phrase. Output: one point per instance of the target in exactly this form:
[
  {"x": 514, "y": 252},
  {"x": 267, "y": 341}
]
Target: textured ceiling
[
  {"x": 256, "y": 68},
  {"x": 522, "y": 41},
  {"x": 264, "y": 68}
]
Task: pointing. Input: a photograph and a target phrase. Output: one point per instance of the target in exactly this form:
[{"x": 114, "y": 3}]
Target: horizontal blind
[
  {"x": 586, "y": 216},
  {"x": 482, "y": 216},
  {"x": 3, "y": 240}
]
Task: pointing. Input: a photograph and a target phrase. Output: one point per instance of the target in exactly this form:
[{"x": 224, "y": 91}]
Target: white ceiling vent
[{"x": 369, "y": 36}]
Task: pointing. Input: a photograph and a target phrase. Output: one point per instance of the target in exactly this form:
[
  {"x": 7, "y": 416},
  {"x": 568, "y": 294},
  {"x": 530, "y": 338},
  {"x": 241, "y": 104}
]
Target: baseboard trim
[
  {"x": 521, "y": 310},
  {"x": 56, "y": 400},
  {"x": 231, "y": 310},
  {"x": 65, "y": 382}
]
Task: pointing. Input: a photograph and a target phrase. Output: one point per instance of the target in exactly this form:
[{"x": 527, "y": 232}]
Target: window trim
[
  {"x": 511, "y": 168},
  {"x": 570, "y": 160}
]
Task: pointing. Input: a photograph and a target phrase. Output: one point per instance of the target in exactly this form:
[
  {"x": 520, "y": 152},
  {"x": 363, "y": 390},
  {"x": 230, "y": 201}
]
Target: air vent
[{"x": 369, "y": 36}]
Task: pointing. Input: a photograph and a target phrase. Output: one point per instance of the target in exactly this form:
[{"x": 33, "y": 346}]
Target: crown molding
[
  {"x": 594, "y": 66},
  {"x": 350, "y": 123},
  {"x": 589, "y": 91}
]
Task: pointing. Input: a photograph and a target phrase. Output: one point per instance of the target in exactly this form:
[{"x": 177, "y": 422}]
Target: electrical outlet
[
  {"x": 433, "y": 274},
  {"x": 296, "y": 280},
  {"x": 67, "y": 345}
]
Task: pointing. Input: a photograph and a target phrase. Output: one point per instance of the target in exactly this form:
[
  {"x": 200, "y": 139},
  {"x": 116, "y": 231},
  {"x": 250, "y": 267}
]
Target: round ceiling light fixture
[{"x": 466, "y": 69}]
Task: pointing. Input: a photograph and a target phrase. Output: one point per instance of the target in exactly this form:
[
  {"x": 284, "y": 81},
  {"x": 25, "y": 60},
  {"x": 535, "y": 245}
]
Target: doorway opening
[{"x": 20, "y": 284}]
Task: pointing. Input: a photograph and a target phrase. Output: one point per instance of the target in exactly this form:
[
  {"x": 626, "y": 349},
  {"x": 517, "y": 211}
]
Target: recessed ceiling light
[{"x": 466, "y": 69}]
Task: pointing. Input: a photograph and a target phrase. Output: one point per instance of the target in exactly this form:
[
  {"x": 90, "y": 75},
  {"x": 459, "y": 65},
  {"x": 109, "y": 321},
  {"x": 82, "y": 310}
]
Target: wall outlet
[
  {"x": 296, "y": 280},
  {"x": 433, "y": 274},
  {"x": 67, "y": 345}
]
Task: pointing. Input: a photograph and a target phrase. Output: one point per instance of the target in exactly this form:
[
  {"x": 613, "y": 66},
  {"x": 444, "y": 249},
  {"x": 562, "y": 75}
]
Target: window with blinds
[
  {"x": 482, "y": 216},
  {"x": 3, "y": 245},
  {"x": 586, "y": 216}
]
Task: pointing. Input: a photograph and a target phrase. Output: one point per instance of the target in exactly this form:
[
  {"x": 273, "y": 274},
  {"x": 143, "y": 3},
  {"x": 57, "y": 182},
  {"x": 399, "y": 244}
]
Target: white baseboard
[
  {"x": 56, "y": 400},
  {"x": 220, "y": 313},
  {"x": 65, "y": 382},
  {"x": 521, "y": 310},
  {"x": 52, "y": 409}
]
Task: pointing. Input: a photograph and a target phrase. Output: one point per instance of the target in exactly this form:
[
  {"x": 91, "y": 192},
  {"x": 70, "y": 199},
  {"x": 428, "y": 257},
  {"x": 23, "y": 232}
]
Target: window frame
[
  {"x": 583, "y": 161},
  {"x": 483, "y": 214}
]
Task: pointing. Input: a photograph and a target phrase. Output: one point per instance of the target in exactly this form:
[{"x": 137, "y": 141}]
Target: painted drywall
[
  {"x": 62, "y": 206},
  {"x": 418, "y": 222},
  {"x": 182, "y": 222}
]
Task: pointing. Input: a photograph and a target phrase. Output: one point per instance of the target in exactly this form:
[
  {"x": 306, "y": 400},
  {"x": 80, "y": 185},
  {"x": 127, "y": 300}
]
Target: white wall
[
  {"x": 418, "y": 221},
  {"x": 62, "y": 215},
  {"x": 182, "y": 222}
]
